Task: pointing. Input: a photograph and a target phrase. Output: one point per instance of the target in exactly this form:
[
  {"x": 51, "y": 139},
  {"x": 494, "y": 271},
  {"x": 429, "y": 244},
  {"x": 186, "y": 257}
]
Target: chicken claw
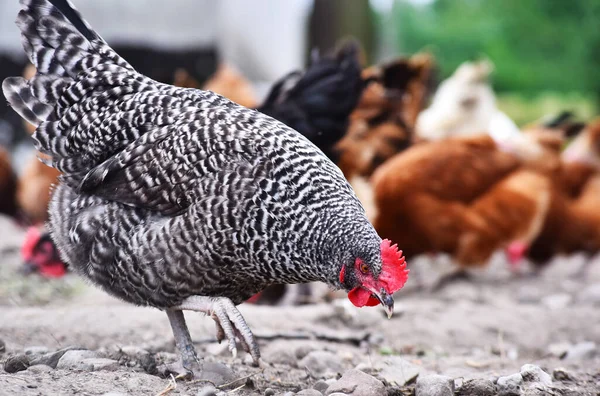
[{"x": 229, "y": 321}]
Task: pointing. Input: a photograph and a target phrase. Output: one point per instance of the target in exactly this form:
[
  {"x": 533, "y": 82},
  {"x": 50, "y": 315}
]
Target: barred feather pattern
[{"x": 171, "y": 192}]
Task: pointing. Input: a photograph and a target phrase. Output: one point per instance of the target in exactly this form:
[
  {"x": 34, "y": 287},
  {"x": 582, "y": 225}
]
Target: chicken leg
[{"x": 230, "y": 323}]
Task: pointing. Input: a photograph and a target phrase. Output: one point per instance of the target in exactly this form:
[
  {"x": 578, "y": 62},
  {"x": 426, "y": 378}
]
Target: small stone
[
  {"x": 51, "y": 359},
  {"x": 39, "y": 369},
  {"x": 309, "y": 392},
  {"x": 557, "y": 301},
  {"x": 16, "y": 363},
  {"x": 397, "y": 371},
  {"x": 510, "y": 385},
  {"x": 560, "y": 374},
  {"x": 321, "y": 386},
  {"x": 434, "y": 385},
  {"x": 321, "y": 364},
  {"x": 148, "y": 363},
  {"x": 357, "y": 383},
  {"x": 72, "y": 359},
  {"x": 559, "y": 350},
  {"x": 269, "y": 392},
  {"x": 217, "y": 349},
  {"x": 529, "y": 295},
  {"x": 303, "y": 350},
  {"x": 591, "y": 294},
  {"x": 280, "y": 355},
  {"x": 533, "y": 373},
  {"x": 208, "y": 390},
  {"x": 2, "y": 347},
  {"x": 102, "y": 364},
  {"x": 36, "y": 350},
  {"x": 583, "y": 350},
  {"x": 477, "y": 387},
  {"x": 216, "y": 373}
]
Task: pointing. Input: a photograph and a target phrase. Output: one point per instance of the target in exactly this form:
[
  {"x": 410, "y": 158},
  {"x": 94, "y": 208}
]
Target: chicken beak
[{"x": 387, "y": 301}]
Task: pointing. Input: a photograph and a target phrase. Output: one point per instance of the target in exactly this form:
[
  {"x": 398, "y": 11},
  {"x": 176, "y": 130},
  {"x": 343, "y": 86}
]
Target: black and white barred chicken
[{"x": 180, "y": 199}]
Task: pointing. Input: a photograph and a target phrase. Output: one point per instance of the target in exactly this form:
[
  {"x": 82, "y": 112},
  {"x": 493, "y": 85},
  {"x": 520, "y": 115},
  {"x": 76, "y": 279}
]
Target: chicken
[
  {"x": 465, "y": 105},
  {"x": 180, "y": 199},
  {"x": 318, "y": 102},
  {"x": 40, "y": 255},
  {"x": 462, "y": 196},
  {"x": 230, "y": 83},
  {"x": 8, "y": 184},
  {"x": 573, "y": 222},
  {"x": 34, "y": 190},
  {"x": 382, "y": 124}
]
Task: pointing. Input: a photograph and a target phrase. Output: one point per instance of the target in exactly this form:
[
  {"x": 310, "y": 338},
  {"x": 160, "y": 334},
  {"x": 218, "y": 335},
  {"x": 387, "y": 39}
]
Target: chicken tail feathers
[{"x": 62, "y": 47}]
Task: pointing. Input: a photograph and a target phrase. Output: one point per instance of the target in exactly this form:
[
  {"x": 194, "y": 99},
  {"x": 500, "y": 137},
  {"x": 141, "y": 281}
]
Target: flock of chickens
[
  {"x": 181, "y": 199},
  {"x": 457, "y": 177}
]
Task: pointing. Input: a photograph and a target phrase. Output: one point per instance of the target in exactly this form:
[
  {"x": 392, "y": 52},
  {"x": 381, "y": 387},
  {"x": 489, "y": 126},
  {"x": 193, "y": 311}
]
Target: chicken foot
[
  {"x": 229, "y": 321},
  {"x": 190, "y": 366}
]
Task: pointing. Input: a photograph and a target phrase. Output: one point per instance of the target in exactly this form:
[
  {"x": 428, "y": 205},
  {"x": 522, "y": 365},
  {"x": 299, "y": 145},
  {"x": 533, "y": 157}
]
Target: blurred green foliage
[{"x": 536, "y": 45}]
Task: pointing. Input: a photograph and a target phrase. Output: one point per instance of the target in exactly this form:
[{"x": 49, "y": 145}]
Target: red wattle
[
  {"x": 53, "y": 270},
  {"x": 361, "y": 297}
]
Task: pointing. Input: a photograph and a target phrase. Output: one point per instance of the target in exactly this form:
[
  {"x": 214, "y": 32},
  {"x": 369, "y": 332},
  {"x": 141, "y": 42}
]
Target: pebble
[
  {"x": 477, "y": 387},
  {"x": 303, "y": 350},
  {"x": 590, "y": 294},
  {"x": 533, "y": 373},
  {"x": 396, "y": 371},
  {"x": 434, "y": 385},
  {"x": 148, "y": 363},
  {"x": 217, "y": 373},
  {"x": 101, "y": 364},
  {"x": 217, "y": 349},
  {"x": 36, "y": 350},
  {"x": 321, "y": 364},
  {"x": 39, "y": 369},
  {"x": 560, "y": 374},
  {"x": 280, "y": 355},
  {"x": 309, "y": 392},
  {"x": 72, "y": 359},
  {"x": 2, "y": 346},
  {"x": 557, "y": 301},
  {"x": 208, "y": 390},
  {"x": 559, "y": 350},
  {"x": 357, "y": 383},
  {"x": 583, "y": 350},
  {"x": 321, "y": 386},
  {"x": 52, "y": 358},
  {"x": 269, "y": 392},
  {"x": 16, "y": 363},
  {"x": 510, "y": 385}
]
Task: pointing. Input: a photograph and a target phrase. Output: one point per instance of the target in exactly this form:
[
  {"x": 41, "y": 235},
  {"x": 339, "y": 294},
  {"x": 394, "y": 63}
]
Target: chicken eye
[{"x": 364, "y": 268}]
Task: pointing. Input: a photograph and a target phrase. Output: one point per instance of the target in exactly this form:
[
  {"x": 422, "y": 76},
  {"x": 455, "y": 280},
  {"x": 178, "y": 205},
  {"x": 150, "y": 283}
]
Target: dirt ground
[{"x": 486, "y": 326}]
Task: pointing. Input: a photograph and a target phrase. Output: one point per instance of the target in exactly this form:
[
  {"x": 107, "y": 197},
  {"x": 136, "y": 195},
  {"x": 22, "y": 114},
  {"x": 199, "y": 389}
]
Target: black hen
[{"x": 318, "y": 102}]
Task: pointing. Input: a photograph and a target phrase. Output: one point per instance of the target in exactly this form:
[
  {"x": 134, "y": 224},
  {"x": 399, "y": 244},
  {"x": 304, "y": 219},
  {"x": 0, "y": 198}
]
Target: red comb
[
  {"x": 393, "y": 270},
  {"x": 31, "y": 238}
]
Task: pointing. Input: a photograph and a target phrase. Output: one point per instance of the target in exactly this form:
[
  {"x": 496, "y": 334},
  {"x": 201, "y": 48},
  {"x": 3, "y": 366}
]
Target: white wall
[{"x": 265, "y": 39}]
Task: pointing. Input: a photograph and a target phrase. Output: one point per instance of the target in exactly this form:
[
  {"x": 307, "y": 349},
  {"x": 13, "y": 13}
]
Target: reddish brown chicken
[
  {"x": 382, "y": 124},
  {"x": 461, "y": 196},
  {"x": 573, "y": 220},
  {"x": 34, "y": 190}
]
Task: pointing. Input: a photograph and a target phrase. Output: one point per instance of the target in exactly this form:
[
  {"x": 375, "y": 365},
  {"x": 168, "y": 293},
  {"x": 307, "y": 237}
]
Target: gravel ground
[{"x": 490, "y": 334}]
